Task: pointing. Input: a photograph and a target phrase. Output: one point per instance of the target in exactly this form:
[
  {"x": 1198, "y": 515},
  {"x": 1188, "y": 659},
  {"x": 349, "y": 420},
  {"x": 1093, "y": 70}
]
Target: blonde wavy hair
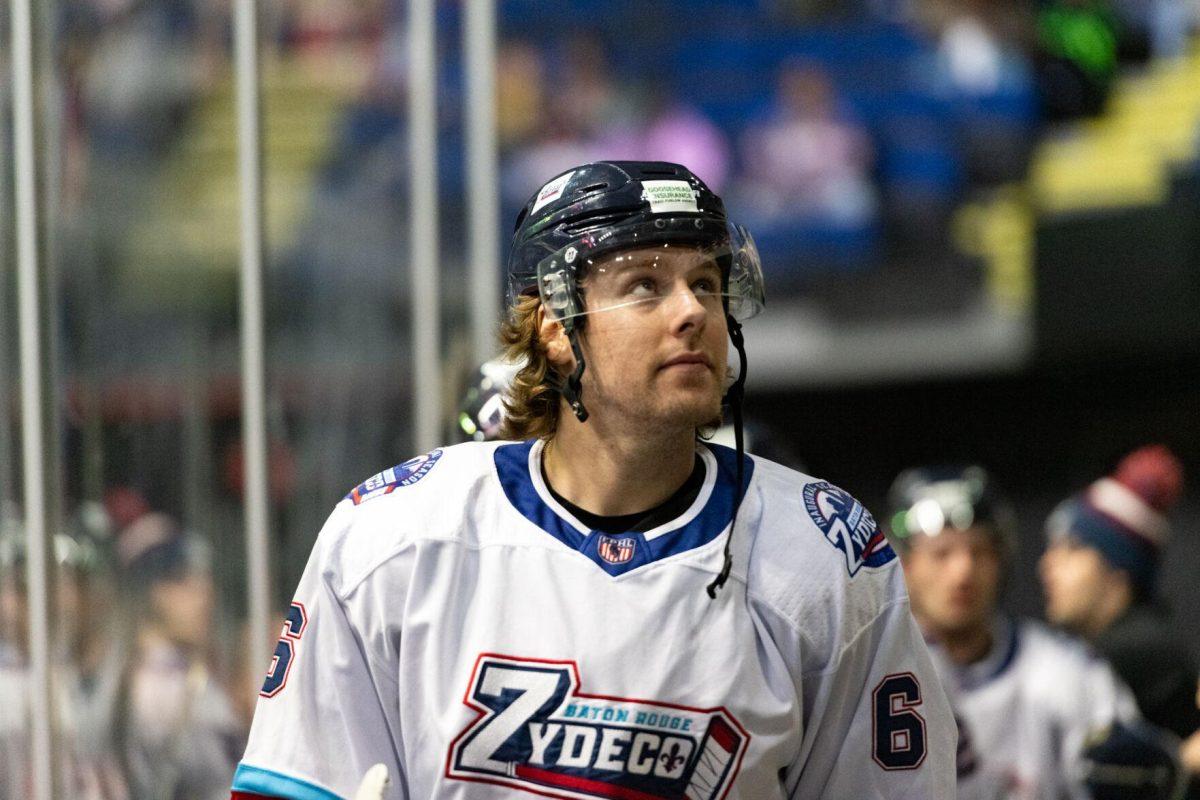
[{"x": 531, "y": 406}]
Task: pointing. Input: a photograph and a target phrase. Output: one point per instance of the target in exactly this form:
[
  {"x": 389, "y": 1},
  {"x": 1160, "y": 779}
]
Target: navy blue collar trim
[
  {"x": 624, "y": 552},
  {"x": 1006, "y": 642}
]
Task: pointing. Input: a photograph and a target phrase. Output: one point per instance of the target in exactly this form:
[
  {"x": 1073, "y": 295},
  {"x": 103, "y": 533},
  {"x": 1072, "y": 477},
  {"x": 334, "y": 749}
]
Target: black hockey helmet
[
  {"x": 925, "y": 501},
  {"x": 612, "y": 205}
]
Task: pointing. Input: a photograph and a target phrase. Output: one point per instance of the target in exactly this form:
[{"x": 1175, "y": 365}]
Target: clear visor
[{"x": 655, "y": 265}]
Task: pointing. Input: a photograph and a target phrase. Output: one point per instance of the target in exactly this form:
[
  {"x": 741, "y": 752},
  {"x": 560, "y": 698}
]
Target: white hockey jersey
[
  {"x": 457, "y": 624},
  {"x": 1026, "y": 709}
]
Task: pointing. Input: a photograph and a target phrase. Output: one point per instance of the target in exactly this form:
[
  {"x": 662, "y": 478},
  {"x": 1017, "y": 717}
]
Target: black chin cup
[{"x": 573, "y": 388}]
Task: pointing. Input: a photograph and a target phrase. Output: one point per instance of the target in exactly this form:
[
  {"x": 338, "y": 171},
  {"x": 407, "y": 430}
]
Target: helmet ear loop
[{"x": 734, "y": 397}]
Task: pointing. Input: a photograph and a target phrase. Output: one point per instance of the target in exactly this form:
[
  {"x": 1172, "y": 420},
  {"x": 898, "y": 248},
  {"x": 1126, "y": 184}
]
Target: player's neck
[
  {"x": 967, "y": 646},
  {"x": 615, "y": 472}
]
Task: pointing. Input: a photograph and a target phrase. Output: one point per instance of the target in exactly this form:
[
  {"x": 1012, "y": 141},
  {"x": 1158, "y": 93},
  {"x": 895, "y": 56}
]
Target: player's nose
[{"x": 688, "y": 312}]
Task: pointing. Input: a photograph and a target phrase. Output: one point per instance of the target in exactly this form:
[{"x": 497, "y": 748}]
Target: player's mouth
[{"x": 690, "y": 361}]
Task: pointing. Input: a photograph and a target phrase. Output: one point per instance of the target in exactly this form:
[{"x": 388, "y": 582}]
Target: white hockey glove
[{"x": 373, "y": 784}]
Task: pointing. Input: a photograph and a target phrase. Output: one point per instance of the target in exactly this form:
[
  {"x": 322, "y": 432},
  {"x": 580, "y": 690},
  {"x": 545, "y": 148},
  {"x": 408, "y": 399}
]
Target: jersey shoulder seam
[
  {"x": 795, "y": 628},
  {"x": 853, "y": 641}
]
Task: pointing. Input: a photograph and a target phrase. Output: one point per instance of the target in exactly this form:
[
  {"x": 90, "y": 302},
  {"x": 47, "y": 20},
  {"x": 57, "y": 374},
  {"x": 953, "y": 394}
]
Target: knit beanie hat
[{"x": 1124, "y": 515}]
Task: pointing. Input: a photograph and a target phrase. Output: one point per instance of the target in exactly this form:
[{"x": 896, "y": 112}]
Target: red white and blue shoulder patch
[
  {"x": 389, "y": 480},
  {"x": 848, "y": 526}
]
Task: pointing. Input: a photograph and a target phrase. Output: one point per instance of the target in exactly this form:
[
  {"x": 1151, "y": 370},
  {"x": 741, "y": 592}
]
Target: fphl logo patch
[
  {"x": 389, "y": 480},
  {"x": 614, "y": 549},
  {"x": 848, "y": 526},
  {"x": 536, "y": 732}
]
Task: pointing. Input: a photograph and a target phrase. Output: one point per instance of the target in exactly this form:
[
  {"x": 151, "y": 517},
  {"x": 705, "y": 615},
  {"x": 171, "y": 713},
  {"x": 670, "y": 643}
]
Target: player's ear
[{"x": 554, "y": 342}]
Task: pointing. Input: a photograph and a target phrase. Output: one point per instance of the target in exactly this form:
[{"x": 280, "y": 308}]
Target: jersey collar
[
  {"x": 519, "y": 469},
  {"x": 1006, "y": 640}
]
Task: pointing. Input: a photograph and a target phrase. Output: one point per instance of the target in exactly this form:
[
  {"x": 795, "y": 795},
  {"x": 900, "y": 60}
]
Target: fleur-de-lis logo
[{"x": 671, "y": 759}]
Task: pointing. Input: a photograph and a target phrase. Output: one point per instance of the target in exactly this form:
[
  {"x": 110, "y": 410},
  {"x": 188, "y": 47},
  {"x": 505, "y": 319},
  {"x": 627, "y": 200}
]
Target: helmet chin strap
[
  {"x": 572, "y": 387},
  {"x": 735, "y": 395}
]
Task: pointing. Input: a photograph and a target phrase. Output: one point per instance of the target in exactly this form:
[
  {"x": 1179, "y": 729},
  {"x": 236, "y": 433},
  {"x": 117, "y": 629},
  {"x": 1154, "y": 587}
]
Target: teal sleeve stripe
[{"x": 264, "y": 781}]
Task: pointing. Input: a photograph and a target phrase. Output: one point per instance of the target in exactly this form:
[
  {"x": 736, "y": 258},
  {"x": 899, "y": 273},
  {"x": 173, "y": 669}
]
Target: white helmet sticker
[
  {"x": 552, "y": 191},
  {"x": 669, "y": 196}
]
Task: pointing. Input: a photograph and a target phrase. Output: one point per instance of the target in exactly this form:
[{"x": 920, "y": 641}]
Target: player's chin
[
  {"x": 960, "y": 620},
  {"x": 1056, "y": 614},
  {"x": 692, "y": 409}
]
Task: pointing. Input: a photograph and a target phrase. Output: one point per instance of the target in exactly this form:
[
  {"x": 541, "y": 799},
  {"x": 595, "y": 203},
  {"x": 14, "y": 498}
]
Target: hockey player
[
  {"x": 610, "y": 608},
  {"x": 88, "y": 767},
  {"x": 1027, "y": 700},
  {"x": 176, "y": 727}
]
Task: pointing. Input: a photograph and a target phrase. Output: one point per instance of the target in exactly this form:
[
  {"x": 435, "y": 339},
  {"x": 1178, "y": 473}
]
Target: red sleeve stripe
[{"x": 249, "y": 796}]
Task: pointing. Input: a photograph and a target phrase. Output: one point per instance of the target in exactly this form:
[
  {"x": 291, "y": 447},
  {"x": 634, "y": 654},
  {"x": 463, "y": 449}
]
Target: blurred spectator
[
  {"x": 520, "y": 92},
  {"x": 807, "y": 162},
  {"x": 682, "y": 135},
  {"x": 1078, "y": 57},
  {"x": 588, "y": 117},
  {"x": 587, "y": 91},
  {"x": 178, "y": 733},
  {"x": 141, "y": 70},
  {"x": 1100, "y": 572},
  {"x": 981, "y": 44},
  {"x": 982, "y": 77},
  {"x": 1153, "y": 28}
]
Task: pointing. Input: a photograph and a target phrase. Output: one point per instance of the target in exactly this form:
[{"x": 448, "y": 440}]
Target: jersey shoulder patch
[
  {"x": 848, "y": 526},
  {"x": 389, "y": 480}
]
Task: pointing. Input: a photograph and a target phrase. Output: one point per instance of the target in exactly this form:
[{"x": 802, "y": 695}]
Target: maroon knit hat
[{"x": 1124, "y": 515}]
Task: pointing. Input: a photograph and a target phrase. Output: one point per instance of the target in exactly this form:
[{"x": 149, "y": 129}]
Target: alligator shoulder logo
[
  {"x": 536, "y": 732},
  {"x": 848, "y": 526},
  {"x": 389, "y": 480}
]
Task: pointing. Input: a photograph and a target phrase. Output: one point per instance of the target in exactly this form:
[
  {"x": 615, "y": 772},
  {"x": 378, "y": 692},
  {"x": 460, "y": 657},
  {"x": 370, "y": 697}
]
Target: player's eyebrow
[{"x": 617, "y": 267}]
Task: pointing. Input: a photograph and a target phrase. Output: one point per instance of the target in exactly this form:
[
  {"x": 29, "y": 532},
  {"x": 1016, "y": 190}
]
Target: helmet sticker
[
  {"x": 554, "y": 189},
  {"x": 667, "y": 197}
]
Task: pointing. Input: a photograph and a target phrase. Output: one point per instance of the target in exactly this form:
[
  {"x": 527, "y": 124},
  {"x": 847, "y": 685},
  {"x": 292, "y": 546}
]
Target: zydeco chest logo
[{"x": 537, "y": 732}]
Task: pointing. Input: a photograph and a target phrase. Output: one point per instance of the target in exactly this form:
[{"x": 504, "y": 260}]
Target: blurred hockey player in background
[
  {"x": 1100, "y": 575},
  {"x": 604, "y": 605},
  {"x": 84, "y": 663},
  {"x": 1027, "y": 700},
  {"x": 176, "y": 730}
]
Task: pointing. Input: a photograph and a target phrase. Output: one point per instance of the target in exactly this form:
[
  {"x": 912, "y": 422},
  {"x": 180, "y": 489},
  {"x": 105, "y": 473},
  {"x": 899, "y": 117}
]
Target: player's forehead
[{"x": 977, "y": 538}]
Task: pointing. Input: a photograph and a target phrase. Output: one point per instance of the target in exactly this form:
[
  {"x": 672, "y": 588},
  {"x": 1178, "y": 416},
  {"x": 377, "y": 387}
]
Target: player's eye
[{"x": 643, "y": 287}]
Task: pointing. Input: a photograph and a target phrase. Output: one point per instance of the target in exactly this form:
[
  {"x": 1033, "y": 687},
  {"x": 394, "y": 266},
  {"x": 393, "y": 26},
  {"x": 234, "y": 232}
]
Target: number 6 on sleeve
[
  {"x": 285, "y": 650},
  {"x": 899, "y": 731}
]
